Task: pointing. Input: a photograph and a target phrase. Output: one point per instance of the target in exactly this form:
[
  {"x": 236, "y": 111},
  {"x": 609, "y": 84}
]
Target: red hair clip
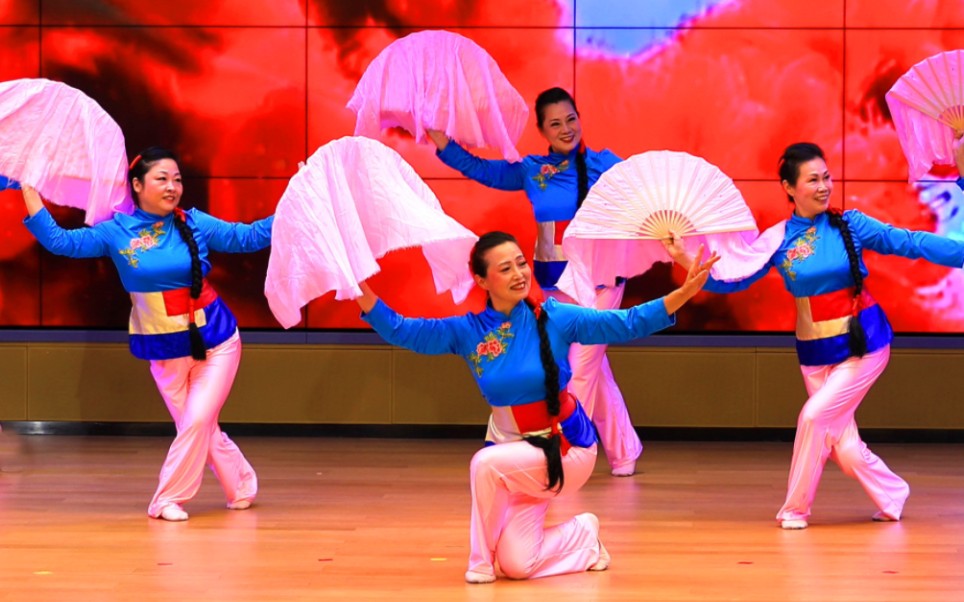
[{"x": 134, "y": 162}]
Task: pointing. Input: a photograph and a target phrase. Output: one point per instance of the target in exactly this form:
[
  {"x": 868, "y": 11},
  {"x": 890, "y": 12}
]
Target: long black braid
[
  {"x": 789, "y": 170},
  {"x": 857, "y": 337},
  {"x": 139, "y": 167},
  {"x": 551, "y": 445},
  {"x": 198, "y": 348},
  {"x": 582, "y": 175}
]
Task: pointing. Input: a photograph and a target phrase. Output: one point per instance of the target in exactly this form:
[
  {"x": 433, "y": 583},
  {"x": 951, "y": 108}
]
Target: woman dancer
[
  {"x": 843, "y": 336},
  {"x": 540, "y": 441},
  {"x": 178, "y": 322},
  {"x": 556, "y": 184}
]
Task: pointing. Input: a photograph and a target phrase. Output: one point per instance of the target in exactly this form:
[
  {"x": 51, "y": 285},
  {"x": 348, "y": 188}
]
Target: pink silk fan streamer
[
  {"x": 354, "y": 201},
  {"x": 58, "y": 140},
  {"x": 442, "y": 81}
]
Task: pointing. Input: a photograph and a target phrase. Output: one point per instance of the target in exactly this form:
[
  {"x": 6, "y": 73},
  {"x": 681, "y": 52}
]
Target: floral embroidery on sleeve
[
  {"x": 145, "y": 241},
  {"x": 803, "y": 247},
  {"x": 547, "y": 171},
  {"x": 492, "y": 346}
]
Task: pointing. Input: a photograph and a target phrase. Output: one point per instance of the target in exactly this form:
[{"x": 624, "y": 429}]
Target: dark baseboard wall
[{"x": 435, "y": 431}]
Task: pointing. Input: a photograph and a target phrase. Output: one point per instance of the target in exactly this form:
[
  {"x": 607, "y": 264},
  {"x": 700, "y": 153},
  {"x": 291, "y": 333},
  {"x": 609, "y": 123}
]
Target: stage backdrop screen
[{"x": 243, "y": 91}]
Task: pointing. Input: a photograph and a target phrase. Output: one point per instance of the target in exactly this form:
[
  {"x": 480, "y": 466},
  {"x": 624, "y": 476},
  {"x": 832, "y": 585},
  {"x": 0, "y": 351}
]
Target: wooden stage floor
[{"x": 386, "y": 519}]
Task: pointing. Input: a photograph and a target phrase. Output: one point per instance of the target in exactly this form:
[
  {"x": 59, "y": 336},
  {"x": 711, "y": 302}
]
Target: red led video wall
[{"x": 245, "y": 90}]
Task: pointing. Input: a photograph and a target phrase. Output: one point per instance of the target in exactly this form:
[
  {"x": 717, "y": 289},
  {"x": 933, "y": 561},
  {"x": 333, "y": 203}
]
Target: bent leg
[
  {"x": 595, "y": 386},
  {"x": 887, "y": 490},
  {"x": 194, "y": 393},
  {"x": 509, "y": 505},
  {"x": 835, "y": 394}
]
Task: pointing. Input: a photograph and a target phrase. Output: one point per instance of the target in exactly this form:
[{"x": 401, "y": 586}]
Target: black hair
[
  {"x": 553, "y": 96},
  {"x": 793, "y": 157},
  {"x": 139, "y": 167},
  {"x": 551, "y": 445},
  {"x": 789, "y": 170},
  {"x": 489, "y": 240}
]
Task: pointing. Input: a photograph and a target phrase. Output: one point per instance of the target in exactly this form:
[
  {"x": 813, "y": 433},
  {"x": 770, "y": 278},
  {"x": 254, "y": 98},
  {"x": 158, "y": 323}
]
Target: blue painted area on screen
[{"x": 625, "y": 28}]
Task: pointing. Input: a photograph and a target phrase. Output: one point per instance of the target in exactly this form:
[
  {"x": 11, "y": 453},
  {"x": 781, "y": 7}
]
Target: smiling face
[
  {"x": 561, "y": 127},
  {"x": 508, "y": 276},
  {"x": 160, "y": 190},
  {"x": 811, "y": 191}
]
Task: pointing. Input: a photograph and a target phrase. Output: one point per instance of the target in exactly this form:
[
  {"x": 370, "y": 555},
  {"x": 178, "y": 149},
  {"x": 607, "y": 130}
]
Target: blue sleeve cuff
[
  {"x": 38, "y": 221},
  {"x": 452, "y": 154},
  {"x": 8, "y": 183},
  {"x": 380, "y": 315}
]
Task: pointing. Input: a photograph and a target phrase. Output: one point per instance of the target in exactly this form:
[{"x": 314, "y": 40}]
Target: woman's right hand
[
  {"x": 439, "y": 138},
  {"x": 368, "y": 297},
  {"x": 674, "y": 247},
  {"x": 31, "y": 198}
]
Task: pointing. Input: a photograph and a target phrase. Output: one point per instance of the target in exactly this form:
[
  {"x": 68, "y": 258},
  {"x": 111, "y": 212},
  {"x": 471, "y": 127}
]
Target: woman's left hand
[
  {"x": 699, "y": 272},
  {"x": 674, "y": 247},
  {"x": 696, "y": 277}
]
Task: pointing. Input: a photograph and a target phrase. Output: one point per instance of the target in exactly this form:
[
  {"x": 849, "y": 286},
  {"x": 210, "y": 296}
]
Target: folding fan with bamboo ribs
[
  {"x": 440, "y": 80},
  {"x": 633, "y": 207},
  {"x": 927, "y": 105},
  {"x": 58, "y": 140}
]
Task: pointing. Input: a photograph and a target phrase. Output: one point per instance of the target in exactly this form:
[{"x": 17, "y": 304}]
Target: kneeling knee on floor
[{"x": 520, "y": 570}]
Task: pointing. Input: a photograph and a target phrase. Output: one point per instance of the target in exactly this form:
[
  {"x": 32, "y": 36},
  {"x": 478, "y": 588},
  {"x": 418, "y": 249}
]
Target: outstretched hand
[
  {"x": 696, "y": 276},
  {"x": 368, "y": 299},
  {"x": 31, "y": 198},
  {"x": 699, "y": 271},
  {"x": 439, "y": 138},
  {"x": 674, "y": 247}
]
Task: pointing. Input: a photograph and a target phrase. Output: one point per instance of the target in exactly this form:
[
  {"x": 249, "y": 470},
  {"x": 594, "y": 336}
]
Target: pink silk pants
[
  {"x": 194, "y": 392},
  {"x": 826, "y": 429},
  {"x": 593, "y": 384},
  {"x": 509, "y": 506}
]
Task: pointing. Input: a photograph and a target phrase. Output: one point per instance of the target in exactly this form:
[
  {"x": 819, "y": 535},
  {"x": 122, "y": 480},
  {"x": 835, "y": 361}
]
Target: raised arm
[
  {"x": 889, "y": 240},
  {"x": 494, "y": 173},
  {"x": 77, "y": 243},
  {"x": 422, "y": 335},
  {"x": 674, "y": 247},
  {"x": 593, "y": 326},
  {"x": 235, "y": 237}
]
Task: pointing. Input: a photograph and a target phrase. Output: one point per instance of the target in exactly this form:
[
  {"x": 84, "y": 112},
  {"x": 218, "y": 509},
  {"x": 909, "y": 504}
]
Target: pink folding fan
[
  {"x": 58, "y": 140},
  {"x": 927, "y": 104},
  {"x": 354, "y": 201},
  {"x": 619, "y": 229},
  {"x": 442, "y": 81}
]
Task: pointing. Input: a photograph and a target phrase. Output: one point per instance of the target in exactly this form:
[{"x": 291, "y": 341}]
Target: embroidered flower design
[
  {"x": 547, "y": 171},
  {"x": 145, "y": 241},
  {"x": 803, "y": 247},
  {"x": 492, "y": 346}
]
